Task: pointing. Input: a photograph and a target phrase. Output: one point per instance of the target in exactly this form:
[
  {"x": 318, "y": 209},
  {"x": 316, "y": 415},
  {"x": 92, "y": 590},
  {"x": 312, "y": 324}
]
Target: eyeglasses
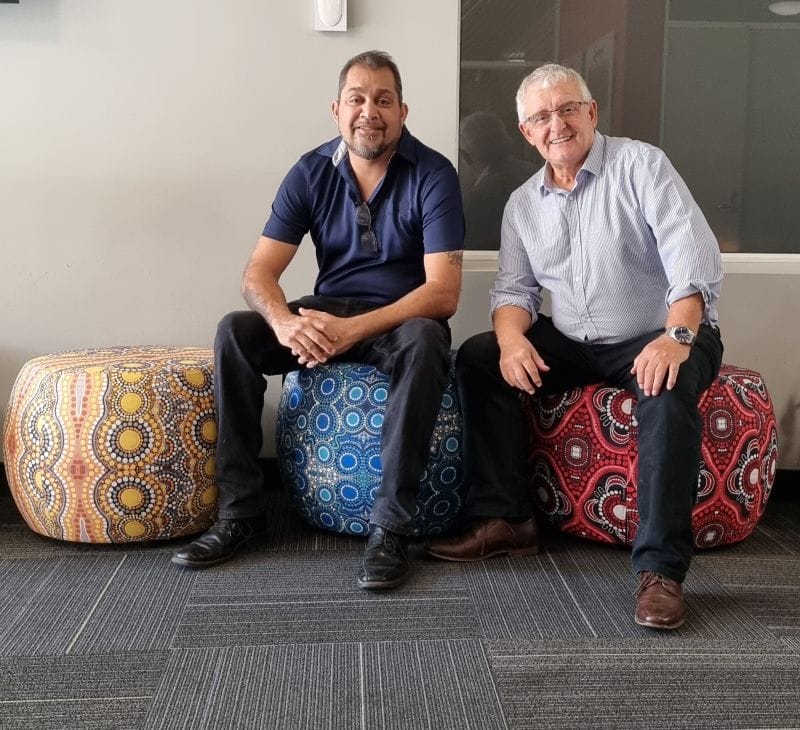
[
  {"x": 566, "y": 111},
  {"x": 369, "y": 241}
]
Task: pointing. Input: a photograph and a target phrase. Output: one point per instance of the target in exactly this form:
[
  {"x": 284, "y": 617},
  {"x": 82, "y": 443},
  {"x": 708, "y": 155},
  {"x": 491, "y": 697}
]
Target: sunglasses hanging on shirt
[{"x": 369, "y": 241}]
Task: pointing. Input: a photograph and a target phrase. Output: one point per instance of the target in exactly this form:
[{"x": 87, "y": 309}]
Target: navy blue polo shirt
[{"x": 416, "y": 209}]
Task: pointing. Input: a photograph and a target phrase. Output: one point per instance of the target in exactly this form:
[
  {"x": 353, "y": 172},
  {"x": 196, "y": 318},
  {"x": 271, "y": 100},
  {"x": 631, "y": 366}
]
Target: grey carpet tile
[
  {"x": 279, "y": 598},
  {"x": 642, "y": 684},
  {"x": 292, "y": 535},
  {"x": 140, "y": 609},
  {"x": 579, "y": 590},
  {"x": 388, "y": 685},
  {"x": 779, "y": 527},
  {"x": 100, "y": 691},
  {"x": 430, "y": 684},
  {"x": 289, "y": 533},
  {"x": 742, "y": 570},
  {"x": 260, "y": 572},
  {"x": 103, "y": 713},
  {"x": 776, "y": 610},
  {"x": 45, "y": 603},
  {"x": 767, "y": 586},
  {"x": 792, "y": 643}
]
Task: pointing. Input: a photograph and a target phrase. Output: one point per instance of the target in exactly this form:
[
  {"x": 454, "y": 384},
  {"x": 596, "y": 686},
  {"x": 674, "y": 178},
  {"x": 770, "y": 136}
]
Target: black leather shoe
[
  {"x": 221, "y": 541},
  {"x": 385, "y": 563}
]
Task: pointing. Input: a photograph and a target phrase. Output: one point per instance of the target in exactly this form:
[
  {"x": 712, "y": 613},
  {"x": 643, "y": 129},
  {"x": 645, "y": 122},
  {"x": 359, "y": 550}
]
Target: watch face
[{"x": 682, "y": 334}]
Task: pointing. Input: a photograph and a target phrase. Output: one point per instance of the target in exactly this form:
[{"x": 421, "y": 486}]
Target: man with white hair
[{"x": 610, "y": 229}]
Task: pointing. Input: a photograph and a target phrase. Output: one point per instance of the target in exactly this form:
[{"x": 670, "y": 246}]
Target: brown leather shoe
[
  {"x": 659, "y": 602},
  {"x": 488, "y": 536}
]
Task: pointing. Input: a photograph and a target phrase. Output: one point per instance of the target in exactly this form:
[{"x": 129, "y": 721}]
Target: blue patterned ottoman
[{"x": 328, "y": 440}]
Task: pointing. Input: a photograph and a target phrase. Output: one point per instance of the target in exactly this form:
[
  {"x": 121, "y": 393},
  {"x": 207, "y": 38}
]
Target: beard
[
  {"x": 366, "y": 153},
  {"x": 364, "y": 149}
]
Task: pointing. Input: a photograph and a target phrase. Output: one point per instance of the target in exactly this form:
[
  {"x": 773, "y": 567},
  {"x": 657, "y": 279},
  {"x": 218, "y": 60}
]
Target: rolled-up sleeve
[
  {"x": 515, "y": 283},
  {"x": 688, "y": 248}
]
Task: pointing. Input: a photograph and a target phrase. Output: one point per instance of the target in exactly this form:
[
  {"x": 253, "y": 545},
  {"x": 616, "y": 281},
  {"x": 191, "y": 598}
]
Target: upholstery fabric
[
  {"x": 114, "y": 445},
  {"x": 328, "y": 442},
  {"x": 584, "y": 460}
]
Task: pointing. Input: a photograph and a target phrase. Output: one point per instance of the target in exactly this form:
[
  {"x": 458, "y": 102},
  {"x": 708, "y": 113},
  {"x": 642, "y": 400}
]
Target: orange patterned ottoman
[
  {"x": 584, "y": 460},
  {"x": 113, "y": 445}
]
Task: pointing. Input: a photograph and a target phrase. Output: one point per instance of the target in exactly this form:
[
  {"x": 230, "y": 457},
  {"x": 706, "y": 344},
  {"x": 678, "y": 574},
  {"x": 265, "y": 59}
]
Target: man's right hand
[
  {"x": 520, "y": 364},
  {"x": 306, "y": 338}
]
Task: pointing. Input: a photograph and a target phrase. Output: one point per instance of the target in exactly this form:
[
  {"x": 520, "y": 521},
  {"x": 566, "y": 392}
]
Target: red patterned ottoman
[{"x": 584, "y": 460}]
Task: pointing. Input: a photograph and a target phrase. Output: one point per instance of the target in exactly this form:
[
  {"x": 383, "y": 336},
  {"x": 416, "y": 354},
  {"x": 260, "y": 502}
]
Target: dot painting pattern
[
  {"x": 114, "y": 445},
  {"x": 584, "y": 460},
  {"x": 328, "y": 442}
]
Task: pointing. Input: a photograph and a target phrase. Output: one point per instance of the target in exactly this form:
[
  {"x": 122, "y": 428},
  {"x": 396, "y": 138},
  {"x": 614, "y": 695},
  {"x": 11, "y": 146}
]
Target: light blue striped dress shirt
[{"x": 614, "y": 252}]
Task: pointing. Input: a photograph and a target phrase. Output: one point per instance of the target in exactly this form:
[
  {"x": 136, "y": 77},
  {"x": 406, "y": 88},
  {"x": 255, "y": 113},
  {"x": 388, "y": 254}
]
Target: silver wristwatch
[{"x": 682, "y": 334}]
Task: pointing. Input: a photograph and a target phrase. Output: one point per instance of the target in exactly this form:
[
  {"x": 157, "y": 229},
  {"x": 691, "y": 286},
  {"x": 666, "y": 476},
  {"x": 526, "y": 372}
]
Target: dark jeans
[
  {"x": 496, "y": 434},
  {"x": 415, "y": 356}
]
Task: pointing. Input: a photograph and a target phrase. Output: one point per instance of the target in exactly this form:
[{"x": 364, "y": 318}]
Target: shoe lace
[
  {"x": 649, "y": 578},
  {"x": 236, "y": 528},
  {"x": 388, "y": 542}
]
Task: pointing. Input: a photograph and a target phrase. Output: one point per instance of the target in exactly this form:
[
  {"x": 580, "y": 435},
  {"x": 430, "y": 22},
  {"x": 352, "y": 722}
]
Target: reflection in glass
[
  {"x": 488, "y": 173},
  {"x": 714, "y": 84}
]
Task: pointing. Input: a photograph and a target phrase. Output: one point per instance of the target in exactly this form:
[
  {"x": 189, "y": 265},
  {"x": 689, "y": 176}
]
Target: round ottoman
[
  {"x": 328, "y": 442},
  {"x": 584, "y": 460},
  {"x": 114, "y": 445}
]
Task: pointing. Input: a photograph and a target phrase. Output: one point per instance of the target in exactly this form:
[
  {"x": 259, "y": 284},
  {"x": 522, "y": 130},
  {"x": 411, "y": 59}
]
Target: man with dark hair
[
  {"x": 385, "y": 215},
  {"x": 610, "y": 229}
]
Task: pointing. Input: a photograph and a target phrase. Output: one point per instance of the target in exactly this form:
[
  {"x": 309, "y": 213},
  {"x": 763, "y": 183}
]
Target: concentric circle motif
[
  {"x": 193, "y": 379},
  {"x": 547, "y": 493},
  {"x": 356, "y": 527},
  {"x": 706, "y": 483},
  {"x": 334, "y": 415},
  {"x": 742, "y": 483},
  {"x": 577, "y": 452},
  {"x": 204, "y": 429},
  {"x": 130, "y": 495},
  {"x": 720, "y": 424},
  {"x": 615, "y": 408},
  {"x": 551, "y": 408},
  {"x": 710, "y": 535},
  {"x": 373, "y": 421},
  {"x": 349, "y": 492},
  {"x": 769, "y": 468},
  {"x": 607, "y": 507},
  {"x": 356, "y": 394}
]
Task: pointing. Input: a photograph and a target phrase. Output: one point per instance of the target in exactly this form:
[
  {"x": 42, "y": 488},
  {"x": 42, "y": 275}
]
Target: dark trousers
[
  {"x": 496, "y": 434},
  {"x": 415, "y": 356}
]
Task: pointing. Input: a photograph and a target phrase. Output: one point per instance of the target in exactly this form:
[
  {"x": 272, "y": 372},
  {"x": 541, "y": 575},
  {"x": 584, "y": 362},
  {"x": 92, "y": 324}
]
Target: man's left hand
[
  {"x": 660, "y": 359},
  {"x": 338, "y": 329}
]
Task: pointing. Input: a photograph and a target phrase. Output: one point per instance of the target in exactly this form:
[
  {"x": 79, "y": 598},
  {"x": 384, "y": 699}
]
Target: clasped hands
[{"x": 314, "y": 337}]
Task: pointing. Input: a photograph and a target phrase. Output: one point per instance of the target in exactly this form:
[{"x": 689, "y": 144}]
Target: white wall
[{"x": 141, "y": 142}]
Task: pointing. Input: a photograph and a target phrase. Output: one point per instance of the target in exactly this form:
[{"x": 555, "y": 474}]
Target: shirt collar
[
  {"x": 593, "y": 164},
  {"x": 336, "y": 149}
]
